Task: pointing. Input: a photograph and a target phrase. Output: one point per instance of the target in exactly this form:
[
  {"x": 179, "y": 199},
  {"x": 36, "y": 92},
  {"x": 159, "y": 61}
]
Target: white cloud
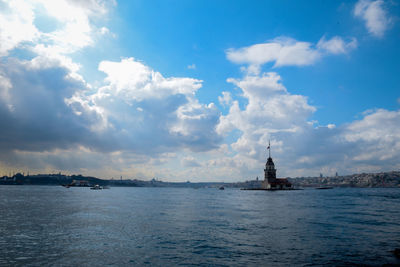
[
  {"x": 137, "y": 130},
  {"x": 192, "y": 67},
  {"x": 139, "y": 123},
  {"x": 138, "y": 82},
  {"x": 142, "y": 116},
  {"x": 369, "y": 144},
  {"x": 49, "y": 77},
  {"x": 336, "y": 45},
  {"x": 270, "y": 109},
  {"x": 282, "y": 51},
  {"x": 51, "y": 112},
  {"x": 106, "y": 31},
  {"x": 226, "y": 99},
  {"x": 39, "y": 118},
  {"x": 299, "y": 146},
  {"x": 379, "y": 126},
  {"x": 285, "y": 51},
  {"x": 375, "y": 16},
  {"x": 149, "y": 112},
  {"x": 73, "y": 29},
  {"x": 259, "y": 87},
  {"x": 16, "y": 25}
]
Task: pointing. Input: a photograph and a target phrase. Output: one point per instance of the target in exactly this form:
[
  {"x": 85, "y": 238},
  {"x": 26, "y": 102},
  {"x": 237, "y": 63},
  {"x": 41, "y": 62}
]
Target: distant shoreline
[{"x": 364, "y": 180}]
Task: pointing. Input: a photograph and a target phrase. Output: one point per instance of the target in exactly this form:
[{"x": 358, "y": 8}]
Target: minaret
[{"x": 269, "y": 171}]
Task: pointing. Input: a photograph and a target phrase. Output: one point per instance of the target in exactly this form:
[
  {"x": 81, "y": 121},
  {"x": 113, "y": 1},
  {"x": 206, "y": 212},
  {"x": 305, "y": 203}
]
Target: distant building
[{"x": 270, "y": 180}]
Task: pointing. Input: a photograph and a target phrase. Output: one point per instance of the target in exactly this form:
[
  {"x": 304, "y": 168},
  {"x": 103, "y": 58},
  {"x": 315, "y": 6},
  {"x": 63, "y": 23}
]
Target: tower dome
[{"x": 270, "y": 171}]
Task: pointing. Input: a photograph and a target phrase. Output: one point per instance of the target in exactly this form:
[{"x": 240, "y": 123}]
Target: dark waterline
[{"x": 47, "y": 225}]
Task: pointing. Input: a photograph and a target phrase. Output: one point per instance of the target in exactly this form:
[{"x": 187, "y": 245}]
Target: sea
[{"x": 135, "y": 226}]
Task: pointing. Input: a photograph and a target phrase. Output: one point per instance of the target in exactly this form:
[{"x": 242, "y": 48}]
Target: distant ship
[{"x": 96, "y": 187}]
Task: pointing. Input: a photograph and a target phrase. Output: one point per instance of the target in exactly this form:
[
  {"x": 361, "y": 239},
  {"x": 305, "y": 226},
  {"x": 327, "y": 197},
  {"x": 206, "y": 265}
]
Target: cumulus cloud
[
  {"x": 33, "y": 109},
  {"x": 137, "y": 81},
  {"x": 300, "y": 146},
  {"x": 71, "y": 22},
  {"x": 368, "y": 128},
  {"x": 369, "y": 144},
  {"x": 45, "y": 108},
  {"x": 140, "y": 123},
  {"x": 148, "y": 112},
  {"x": 16, "y": 25},
  {"x": 50, "y": 112},
  {"x": 34, "y": 91},
  {"x": 374, "y": 14},
  {"x": 285, "y": 51},
  {"x": 270, "y": 109}
]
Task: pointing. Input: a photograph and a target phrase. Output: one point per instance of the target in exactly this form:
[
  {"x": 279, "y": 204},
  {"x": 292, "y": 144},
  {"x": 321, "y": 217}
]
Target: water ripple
[{"x": 51, "y": 226}]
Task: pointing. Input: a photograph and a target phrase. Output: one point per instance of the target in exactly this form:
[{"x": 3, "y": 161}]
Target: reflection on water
[{"x": 44, "y": 225}]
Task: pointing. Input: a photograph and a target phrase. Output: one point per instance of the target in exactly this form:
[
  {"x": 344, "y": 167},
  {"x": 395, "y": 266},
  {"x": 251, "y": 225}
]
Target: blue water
[{"x": 56, "y": 226}]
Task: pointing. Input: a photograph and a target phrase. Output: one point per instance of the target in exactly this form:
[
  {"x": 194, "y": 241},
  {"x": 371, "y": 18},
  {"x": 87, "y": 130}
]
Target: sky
[{"x": 195, "y": 90}]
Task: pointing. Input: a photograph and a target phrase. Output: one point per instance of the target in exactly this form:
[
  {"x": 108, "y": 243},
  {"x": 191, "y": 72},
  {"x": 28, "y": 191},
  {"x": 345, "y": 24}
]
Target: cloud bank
[
  {"x": 140, "y": 124},
  {"x": 53, "y": 117},
  {"x": 45, "y": 107},
  {"x": 272, "y": 113},
  {"x": 144, "y": 112},
  {"x": 301, "y": 146}
]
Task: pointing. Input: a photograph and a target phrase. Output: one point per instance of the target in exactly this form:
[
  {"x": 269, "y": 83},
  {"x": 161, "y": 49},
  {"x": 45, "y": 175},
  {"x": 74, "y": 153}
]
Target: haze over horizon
[{"x": 194, "y": 90}]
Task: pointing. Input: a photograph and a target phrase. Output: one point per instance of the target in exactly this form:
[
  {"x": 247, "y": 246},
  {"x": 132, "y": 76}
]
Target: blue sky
[
  {"x": 193, "y": 90},
  {"x": 176, "y": 34}
]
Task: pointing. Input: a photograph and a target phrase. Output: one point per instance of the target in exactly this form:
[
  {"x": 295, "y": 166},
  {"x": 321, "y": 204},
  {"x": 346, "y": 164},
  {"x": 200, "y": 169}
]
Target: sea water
[{"x": 56, "y": 226}]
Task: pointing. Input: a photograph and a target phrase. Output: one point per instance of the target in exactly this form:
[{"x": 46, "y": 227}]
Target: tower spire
[{"x": 269, "y": 148}]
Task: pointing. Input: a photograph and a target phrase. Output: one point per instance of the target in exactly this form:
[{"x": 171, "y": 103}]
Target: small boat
[
  {"x": 96, "y": 187},
  {"x": 222, "y": 188},
  {"x": 324, "y": 187}
]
